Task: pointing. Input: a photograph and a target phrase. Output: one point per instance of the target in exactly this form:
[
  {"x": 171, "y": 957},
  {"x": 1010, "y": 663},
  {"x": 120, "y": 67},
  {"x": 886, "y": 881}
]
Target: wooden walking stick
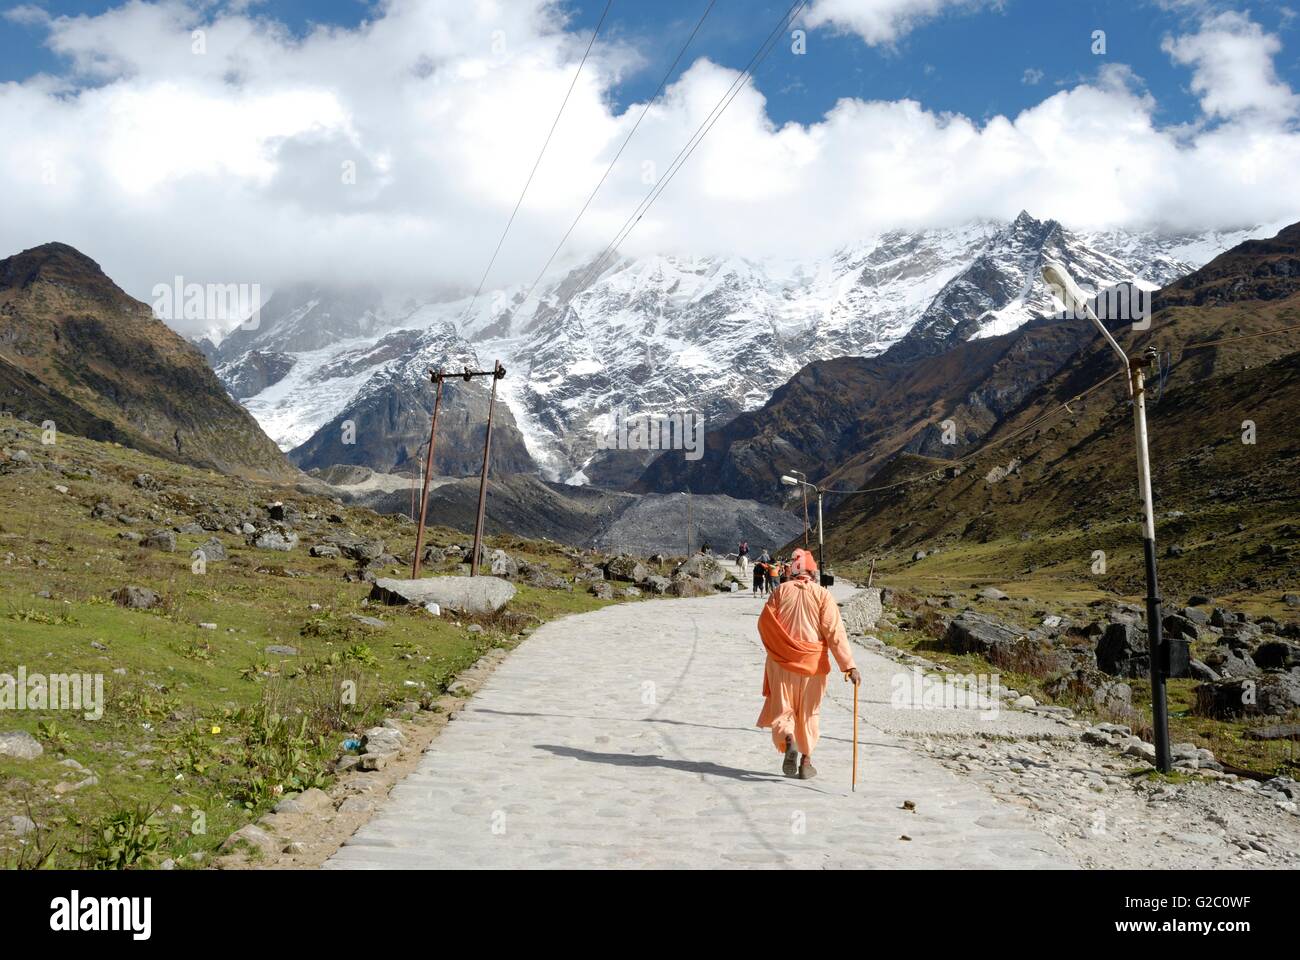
[{"x": 855, "y": 733}]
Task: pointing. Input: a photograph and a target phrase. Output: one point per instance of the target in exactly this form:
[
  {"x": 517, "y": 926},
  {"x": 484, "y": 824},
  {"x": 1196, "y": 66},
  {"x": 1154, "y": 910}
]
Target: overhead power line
[
  {"x": 533, "y": 173},
  {"x": 687, "y": 150},
  {"x": 626, "y": 140}
]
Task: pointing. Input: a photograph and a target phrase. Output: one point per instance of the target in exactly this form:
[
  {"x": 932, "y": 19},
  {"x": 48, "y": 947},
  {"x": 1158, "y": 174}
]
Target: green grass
[{"x": 202, "y": 728}]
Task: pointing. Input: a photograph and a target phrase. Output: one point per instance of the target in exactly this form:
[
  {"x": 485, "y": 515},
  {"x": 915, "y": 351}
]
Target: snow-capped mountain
[{"x": 713, "y": 336}]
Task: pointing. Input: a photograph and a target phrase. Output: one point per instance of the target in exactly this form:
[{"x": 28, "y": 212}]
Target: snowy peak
[
  {"x": 1003, "y": 288},
  {"x": 661, "y": 335}
]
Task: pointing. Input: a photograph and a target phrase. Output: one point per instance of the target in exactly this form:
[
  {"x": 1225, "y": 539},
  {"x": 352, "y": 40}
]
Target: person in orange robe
[{"x": 799, "y": 625}]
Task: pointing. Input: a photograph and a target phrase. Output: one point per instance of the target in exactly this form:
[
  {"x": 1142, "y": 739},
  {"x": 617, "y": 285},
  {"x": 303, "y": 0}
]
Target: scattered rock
[
  {"x": 626, "y": 569},
  {"x": 1272, "y": 694},
  {"x": 690, "y": 587},
  {"x": 136, "y": 598},
  {"x": 160, "y": 540},
  {"x": 501, "y": 564},
  {"x": 274, "y": 540},
  {"x": 213, "y": 551},
  {"x": 1122, "y": 651},
  {"x": 20, "y": 745},
  {"x": 701, "y": 567},
  {"x": 310, "y": 801},
  {"x": 357, "y": 805},
  {"x": 466, "y": 595},
  {"x": 251, "y": 837},
  {"x": 657, "y": 584}
]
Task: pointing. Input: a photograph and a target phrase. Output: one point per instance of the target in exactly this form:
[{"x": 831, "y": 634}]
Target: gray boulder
[
  {"x": 21, "y": 745},
  {"x": 136, "y": 598},
  {"x": 657, "y": 584},
  {"x": 501, "y": 564},
  {"x": 1277, "y": 655},
  {"x": 1232, "y": 661},
  {"x": 160, "y": 540},
  {"x": 1273, "y": 694},
  {"x": 274, "y": 540},
  {"x": 626, "y": 569},
  {"x": 461, "y": 594},
  {"x": 690, "y": 587},
  {"x": 251, "y": 839},
  {"x": 1091, "y": 688},
  {"x": 972, "y": 632},
  {"x": 214, "y": 551},
  {"x": 701, "y": 567},
  {"x": 547, "y": 579},
  {"x": 601, "y": 590},
  {"x": 1180, "y": 627},
  {"x": 862, "y": 610},
  {"x": 1122, "y": 651}
]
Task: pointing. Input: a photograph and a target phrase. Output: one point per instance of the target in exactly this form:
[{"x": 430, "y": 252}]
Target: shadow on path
[
  {"x": 644, "y": 760},
  {"x": 862, "y": 741}
]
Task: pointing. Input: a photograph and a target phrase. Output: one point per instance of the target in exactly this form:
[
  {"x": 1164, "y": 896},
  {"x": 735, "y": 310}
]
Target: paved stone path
[{"x": 625, "y": 738}]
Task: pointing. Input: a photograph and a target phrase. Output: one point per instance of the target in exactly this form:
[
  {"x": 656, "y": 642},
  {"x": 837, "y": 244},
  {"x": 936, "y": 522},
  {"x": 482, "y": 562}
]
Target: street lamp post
[
  {"x": 1063, "y": 285},
  {"x": 803, "y": 476},
  {"x": 790, "y": 481}
]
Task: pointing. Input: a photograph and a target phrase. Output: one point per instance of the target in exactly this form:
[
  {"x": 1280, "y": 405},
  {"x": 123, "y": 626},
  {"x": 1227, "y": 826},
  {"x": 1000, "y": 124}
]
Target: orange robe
[{"x": 800, "y": 626}]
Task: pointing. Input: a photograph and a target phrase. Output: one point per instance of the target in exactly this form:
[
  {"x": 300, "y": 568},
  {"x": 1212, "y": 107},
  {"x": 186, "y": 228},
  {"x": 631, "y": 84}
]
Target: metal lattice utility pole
[{"x": 1069, "y": 293}]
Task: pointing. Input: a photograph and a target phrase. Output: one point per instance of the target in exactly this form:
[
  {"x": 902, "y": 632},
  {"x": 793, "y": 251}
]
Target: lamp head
[
  {"x": 1058, "y": 278},
  {"x": 789, "y": 481}
]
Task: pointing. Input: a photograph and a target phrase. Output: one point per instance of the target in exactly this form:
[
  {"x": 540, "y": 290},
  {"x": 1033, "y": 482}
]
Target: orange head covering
[{"x": 803, "y": 564}]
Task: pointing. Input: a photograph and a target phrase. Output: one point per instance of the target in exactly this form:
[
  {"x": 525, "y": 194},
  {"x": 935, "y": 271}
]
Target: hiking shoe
[
  {"x": 806, "y": 770},
  {"x": 791, "y": 765}
]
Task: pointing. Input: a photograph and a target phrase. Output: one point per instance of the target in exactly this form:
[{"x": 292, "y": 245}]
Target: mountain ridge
[{"x": 78, "y": 351}]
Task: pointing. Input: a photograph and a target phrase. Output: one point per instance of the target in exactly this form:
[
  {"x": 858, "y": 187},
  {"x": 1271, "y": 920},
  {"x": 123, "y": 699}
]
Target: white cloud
[
  {"x": 1232, "y": 63},
  {"x": 229, "y": 165},
  {"x": 1032, "y": 77},
  {"x": 26, "y": 14},
  {"x": 883, "y": 21}
]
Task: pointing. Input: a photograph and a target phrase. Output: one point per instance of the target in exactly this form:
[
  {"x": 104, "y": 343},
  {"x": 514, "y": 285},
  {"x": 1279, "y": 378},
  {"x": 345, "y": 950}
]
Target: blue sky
[
  {"x": 280, "y": 153},
  {"x": 973, "y": 63}
]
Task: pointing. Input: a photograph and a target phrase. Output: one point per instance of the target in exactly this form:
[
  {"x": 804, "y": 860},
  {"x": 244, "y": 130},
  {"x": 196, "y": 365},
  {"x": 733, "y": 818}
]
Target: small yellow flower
[{"x": 215, "y": 730}]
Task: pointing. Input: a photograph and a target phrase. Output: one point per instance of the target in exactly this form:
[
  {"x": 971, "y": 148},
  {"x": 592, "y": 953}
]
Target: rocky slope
[
  {"x": 1224, "y": 459},
  {"x": 76, "y": 350},
  {"x": 581, "y": 516}
]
